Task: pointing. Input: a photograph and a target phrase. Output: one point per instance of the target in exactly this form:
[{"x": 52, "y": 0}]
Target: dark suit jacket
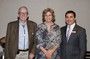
[
  {"x": 12, "y": 35},
  {"x": 75, "y": 48}
]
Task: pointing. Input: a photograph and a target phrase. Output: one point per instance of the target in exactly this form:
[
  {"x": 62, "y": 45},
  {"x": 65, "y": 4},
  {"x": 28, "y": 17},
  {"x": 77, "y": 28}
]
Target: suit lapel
[
  {"x": 28, "y": 27},
  {"x": 73, "y": 33}
]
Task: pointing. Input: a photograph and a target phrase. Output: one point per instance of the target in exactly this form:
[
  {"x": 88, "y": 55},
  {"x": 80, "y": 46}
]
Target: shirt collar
[
  {"x": 22, "y": 23},
  {"x": 71, "y": 25}
]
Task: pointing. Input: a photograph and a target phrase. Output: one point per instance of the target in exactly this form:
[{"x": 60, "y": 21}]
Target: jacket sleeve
[
  {"x": 7, "y": 42},
  {"x": 83, "y": 41}
]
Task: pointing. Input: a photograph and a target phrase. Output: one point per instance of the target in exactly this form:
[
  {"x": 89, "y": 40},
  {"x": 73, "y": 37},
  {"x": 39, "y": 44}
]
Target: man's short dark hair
[{"x": 70, "y": 11}]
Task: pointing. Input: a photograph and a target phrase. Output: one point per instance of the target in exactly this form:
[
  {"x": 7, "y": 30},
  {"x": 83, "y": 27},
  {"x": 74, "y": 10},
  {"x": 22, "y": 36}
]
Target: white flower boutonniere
[{"x": 32, "y": 33}]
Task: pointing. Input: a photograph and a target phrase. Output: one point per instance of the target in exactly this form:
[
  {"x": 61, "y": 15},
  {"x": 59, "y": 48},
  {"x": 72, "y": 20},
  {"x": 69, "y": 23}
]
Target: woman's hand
[
  {"x": 49, "y": 54},
  {"x": 31, "y": 56}
]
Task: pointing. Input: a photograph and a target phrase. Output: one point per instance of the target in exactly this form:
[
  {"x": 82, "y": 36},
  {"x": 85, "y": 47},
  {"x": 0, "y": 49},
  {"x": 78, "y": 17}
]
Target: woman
[{"x": 48, "y": 36}]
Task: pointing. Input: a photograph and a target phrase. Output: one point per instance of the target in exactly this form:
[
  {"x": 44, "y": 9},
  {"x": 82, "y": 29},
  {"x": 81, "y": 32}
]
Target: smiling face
[
  {"x": 48, "y": 17},
  {"x": 70, "y": 18},
  {"x": 23, "y": 14}
]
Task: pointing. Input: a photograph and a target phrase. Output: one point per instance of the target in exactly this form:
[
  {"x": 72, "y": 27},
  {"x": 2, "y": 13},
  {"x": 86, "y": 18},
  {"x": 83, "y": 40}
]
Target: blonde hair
[
  {"x": 48, "y": 10},
  {"x": 23, "y": 7}
]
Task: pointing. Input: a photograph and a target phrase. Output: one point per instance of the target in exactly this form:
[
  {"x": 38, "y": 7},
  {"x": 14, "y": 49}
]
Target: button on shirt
[
  {"x": 70, "y": 28},
  {"x": 23, "y": 36}
]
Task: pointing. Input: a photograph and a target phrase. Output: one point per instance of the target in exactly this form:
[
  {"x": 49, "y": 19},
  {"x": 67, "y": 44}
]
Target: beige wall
[{"x": 8, "y": 12}]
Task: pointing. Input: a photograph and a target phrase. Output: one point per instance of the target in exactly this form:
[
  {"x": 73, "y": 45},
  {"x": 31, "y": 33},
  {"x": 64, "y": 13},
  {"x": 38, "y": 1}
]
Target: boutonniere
[
  {"x": 32, "y": 33},
  {"x": 73, "y": 31}
]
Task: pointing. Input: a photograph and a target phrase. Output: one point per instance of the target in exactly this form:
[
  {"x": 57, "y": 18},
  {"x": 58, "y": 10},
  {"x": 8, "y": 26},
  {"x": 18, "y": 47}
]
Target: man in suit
[
  {"x": 73, "y": 44},
  {"x": 20, "y": 34}
]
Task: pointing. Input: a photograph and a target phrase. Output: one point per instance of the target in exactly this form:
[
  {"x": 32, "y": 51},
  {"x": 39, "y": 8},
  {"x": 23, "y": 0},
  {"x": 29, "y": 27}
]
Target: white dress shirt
[
  {"x": 70, "y": 30},
  {"x": 23, "y": 36}
]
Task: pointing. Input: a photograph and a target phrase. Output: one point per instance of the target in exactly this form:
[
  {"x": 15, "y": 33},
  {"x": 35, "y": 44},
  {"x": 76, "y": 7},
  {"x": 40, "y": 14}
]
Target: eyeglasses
[{"x": 21, "y": 13}]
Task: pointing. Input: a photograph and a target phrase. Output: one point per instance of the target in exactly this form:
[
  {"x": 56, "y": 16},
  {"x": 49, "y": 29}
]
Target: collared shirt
[
  {"x": 23, "y": 36},
  {"x": 71, "y": 28}
]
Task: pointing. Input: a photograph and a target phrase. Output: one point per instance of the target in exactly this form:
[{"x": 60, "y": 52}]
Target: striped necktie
[{"x": 68, "y": 33}]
